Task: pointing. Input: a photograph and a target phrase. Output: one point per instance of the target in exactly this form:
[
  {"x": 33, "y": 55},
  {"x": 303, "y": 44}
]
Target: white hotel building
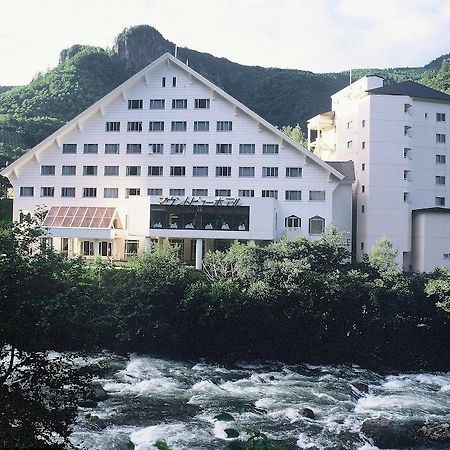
[
  {"x": 168, "y": 156},
  {"x": 398, "y": 137}
]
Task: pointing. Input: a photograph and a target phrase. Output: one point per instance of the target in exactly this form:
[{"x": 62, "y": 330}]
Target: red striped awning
[{"x": 80, "y": 217}]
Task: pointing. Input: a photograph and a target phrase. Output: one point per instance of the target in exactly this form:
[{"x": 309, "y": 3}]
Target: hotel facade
[
  {"x": 169, "y": 156},
  {"x": 396, "y": 135}
]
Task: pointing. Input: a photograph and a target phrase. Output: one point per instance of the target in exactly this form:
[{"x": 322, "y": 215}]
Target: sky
[{"x": 316, "y": 35}]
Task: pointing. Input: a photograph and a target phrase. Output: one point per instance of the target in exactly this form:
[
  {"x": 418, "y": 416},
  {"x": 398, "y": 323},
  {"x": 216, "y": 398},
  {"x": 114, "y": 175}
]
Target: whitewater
[{"x": 152, "y": 398}]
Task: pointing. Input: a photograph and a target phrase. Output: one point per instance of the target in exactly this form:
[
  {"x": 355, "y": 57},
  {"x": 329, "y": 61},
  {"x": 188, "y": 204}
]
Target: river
[{"x": 152, "y": 398}]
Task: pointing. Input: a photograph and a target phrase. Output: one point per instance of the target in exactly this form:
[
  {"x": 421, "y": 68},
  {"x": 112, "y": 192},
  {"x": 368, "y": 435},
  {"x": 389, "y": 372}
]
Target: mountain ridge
[{"x": 85, "y": 73}]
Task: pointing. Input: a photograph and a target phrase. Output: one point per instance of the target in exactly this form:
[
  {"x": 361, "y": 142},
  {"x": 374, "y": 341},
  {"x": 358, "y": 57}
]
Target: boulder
[
  {"x": 359, "y": 386},
  {"x": 393, "y": 434},
  {"x": 308, "y": 413},
  {"x": 99, "y": 423},
  {"x": 96, "y": 393}
]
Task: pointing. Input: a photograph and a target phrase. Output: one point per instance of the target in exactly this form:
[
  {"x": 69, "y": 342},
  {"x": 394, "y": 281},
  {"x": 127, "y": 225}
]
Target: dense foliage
[{"x": 284, "y": 97}]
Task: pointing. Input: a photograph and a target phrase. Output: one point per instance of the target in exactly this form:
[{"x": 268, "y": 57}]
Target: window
[
  {"x": 110, "y": 192},
  {"x": 349, "y": 144},
  {"x": 316, "y": 225},
  {"x": 201, "y": 126},
  {"x": 406, "y": 152},
  {"x": 406, "y": 175},
  {"x": 363, "y": 188},
  {"x": 247, "y": 149},
  {"x": 155, "y": 149},
  {"x": 154, "y": 191},
  {"x": 112, "y": 148},
  {"x": 363, "y": 209},
  {"x": 201, "y": 103},
  {"x": 157, "y": 103},
  {"x": 26, "y": 191},
  {"x": 174, "y": 81},
  {"x": 177, "y": 171},
  {"x": 156, "y": 126},
  {"x": 270, "y": 193},
  {"x": 130, "y": 192},
  {"x": 270, "y": 172},
  {"x": 201, "y": 148},
  {"x": 294, "y": 172},
  {"x": 349, "y": 125},
  {"x": 69, "y": 148},
  {"x": 111, "y": 170},
  {"x": 224, "y": 148},
  {"x": 425, "y": 115},
  {"x": 163, "y": 82},
  {"x": 179, "y": 126},
  {"x": 223, "y": 171},
  {"x": 134, "y": 148},
  {"x": 200, "y": 192},
  {"x": 440, "y": 180},
  {"x": 155, "y": 171},
  {"x": 246, "y": 171},
  {"x": 112, "y": 126},
  {"x": 440, "y": 159},
  {"x": 363, "y": 123},
  {"x": 440, "y": 201},
  {"x": 406, "y": 197},
  {"x": 446, "y": 255},
  {"x": 89, "y": 192},
  {"x": 363, "y": 145},
  {"x": 406, "y": 129},
  {"x": 132, "y": 246},
  {"x": 68, "y": 170},
  {"x": 363, "y": 167},
  {"x": 179, "y": 103},
  {"x": 440, "y": 117},
  {"x": 317, "y": 196},
  {"x": 224, "y": 125},
  {"x": 246, "y": 193},
  {"x": 87, "y": 248},
  {"x": 223, "y": 193},
  {"x": 133, "y": 171},
  {"x": 135, "y": 104},
  {"x": 89, "y": 170},
  {"x": 47, "y": 191},
  {"x": 295, "y": 196},
  {"x": 90, "y": 148},
  {"x": 47, "y": 170},
  {"x": 176, "y": 191},
  {"x": 406, "y": 107},
  {"x": 177, "y": 149},
  {"x": 293, "y": 222},
  {"x": 134, "y": 126},
  {"x": 362, "y": 246},
  {"x": 270, "y": 149},
  {"x": 440, "y": 138},
  {"x": 200, "y": 171},
  {"x": 67, "y": 192},
  {"x": 46, "y": 242}
]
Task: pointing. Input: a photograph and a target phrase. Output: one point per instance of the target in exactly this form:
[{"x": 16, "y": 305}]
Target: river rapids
[{"x": 151, "y": 398}]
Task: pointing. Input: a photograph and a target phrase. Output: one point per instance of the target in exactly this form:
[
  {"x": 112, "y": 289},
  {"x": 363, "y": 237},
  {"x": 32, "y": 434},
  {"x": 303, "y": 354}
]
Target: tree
[
  {"x": 383, "y": 257},
  {"x": 296, "y": 133},
  {"x": 439, "y": 286}
]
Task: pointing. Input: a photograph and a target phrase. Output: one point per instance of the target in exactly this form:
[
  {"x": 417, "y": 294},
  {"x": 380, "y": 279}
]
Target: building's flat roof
[
  {"x": 411, "y": 89},
  {"x": 433, "y": 209},
  {"x": 347, "y": 168}
]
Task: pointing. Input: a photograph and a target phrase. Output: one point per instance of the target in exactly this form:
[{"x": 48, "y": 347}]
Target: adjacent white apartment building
[
  {"x": 397, "y": 135},
  {"x": 169, "y": 156}
]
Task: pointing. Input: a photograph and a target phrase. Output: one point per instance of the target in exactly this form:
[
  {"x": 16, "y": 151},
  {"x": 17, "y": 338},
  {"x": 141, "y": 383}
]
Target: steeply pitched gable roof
[
  {"x": 412, "y": 89},
  {"x": 167, "y": 58}
]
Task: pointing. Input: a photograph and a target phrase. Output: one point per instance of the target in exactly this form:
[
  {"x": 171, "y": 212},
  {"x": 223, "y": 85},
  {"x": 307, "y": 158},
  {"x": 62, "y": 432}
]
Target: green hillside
[{"x": 30, "y": 113}]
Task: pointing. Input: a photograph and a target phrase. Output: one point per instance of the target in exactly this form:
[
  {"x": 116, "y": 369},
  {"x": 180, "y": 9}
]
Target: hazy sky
[{"x": 317, "y": 35}]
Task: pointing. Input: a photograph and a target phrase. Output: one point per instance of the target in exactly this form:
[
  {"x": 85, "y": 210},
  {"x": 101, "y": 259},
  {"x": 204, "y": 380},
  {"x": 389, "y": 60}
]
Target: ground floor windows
[
  {"x": 316, "y": 225},
  {"x": 87, "y": 248},
  {"x": 293, "y": 222},
  {"x": 104, "y": 248},
  {"x": 131, "y": 248}
]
